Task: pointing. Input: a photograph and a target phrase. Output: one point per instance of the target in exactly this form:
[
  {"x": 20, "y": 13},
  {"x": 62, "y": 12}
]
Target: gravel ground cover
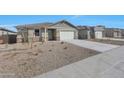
[{"x": 22, "y": 61}]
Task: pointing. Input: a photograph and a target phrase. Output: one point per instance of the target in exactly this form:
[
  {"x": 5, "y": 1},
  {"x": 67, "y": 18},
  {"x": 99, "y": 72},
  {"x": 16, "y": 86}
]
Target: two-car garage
[
  {"x": 65, "y": 30},
  {"x": 66, "y": 35}
]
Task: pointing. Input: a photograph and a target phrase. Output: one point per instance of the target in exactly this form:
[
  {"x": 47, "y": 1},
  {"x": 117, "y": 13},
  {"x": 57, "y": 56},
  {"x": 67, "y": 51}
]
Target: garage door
[
  {"x": 98, "y": 35},
  {"x": 66, "y": 35}
]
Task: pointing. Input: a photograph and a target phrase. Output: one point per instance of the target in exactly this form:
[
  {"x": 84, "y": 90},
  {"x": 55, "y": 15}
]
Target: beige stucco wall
[
  {"x": 1, "y": 32},
  {"x": 65, "y": 27},
  {"x": 30, "y": 33},
  {"x": 59, "y": 27}
]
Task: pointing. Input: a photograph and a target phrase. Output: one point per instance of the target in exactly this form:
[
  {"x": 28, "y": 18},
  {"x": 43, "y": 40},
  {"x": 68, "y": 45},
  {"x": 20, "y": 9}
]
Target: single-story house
[
  {"x": 86, "y": 32},
  {"x": 98, "y": 30},
  {"x": 108, "y": 32},
  {"x": 7, "y": 36},
  {"x": 102, "y": 32},
  {"x": 114, "y": 32},
  {"x": 91, "y": 32},
  {"x": 83, "y": 32},
  {"x": 62, "y": 30}
]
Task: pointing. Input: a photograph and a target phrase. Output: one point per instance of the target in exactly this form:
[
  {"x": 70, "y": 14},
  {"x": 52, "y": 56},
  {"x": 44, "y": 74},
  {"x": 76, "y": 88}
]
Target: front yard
[{"x": 22, "y": 61}]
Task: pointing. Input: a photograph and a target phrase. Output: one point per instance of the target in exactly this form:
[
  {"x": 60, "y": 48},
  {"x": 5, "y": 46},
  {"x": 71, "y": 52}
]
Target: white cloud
[
  {"x": 10, "y": 27},
  {"x": 74, "y": 17}
]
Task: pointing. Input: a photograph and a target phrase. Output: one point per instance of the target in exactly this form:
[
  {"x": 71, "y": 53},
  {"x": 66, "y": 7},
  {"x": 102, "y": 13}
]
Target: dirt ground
[
  {"x": 20, "y": 60},
  {"x": 114, "y": 42}
]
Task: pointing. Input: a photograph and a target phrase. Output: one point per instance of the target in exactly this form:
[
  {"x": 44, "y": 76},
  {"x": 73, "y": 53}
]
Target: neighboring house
[
  {"x": 91, "y": 32},
  {"x": 83, "y": 32},
  {"x": 86, "y": 32},
  {"x": 99, "y": 31},
  {"x": 61, "y": 30},
  {"x": 102, "y": 32},
  {"x": 114, "y": 32},
  {"x": 122, "y": 33},
  {"x": 108, "y": 32},
  {"x": 7, "y": 36}
]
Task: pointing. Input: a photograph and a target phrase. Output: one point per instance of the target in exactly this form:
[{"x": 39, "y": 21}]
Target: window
[{"x": 36, "y": 32}]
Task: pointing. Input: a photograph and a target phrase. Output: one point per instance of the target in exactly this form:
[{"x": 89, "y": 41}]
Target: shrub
[
  {"x": 50, "y": 50},
  {"x": 62, "y": 42},
  {"x": 35, "y": 45},
  {"x": 65, "y": 48}
]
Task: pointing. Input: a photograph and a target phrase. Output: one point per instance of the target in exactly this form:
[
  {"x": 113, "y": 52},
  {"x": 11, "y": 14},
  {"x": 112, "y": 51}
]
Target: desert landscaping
[
  {"x": 22, "y": 60},
  {"x": 35, "y": 49}
]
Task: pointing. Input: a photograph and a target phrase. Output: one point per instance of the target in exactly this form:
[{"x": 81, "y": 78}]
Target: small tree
[
  {"x": 31, "y": 41},
  {"x": 23, "y": 33}
]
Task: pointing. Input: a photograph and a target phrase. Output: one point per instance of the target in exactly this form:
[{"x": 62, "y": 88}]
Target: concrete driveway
[
  {"x": 93, "y": 45},
  {"x": 109, "y": 64}
]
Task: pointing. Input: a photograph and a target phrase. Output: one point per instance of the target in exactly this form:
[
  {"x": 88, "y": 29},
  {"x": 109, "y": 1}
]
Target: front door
[{"x": 51, "y": 34}]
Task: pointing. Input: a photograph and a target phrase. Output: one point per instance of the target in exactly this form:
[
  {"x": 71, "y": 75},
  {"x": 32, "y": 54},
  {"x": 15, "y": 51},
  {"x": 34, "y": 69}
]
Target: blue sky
[{"x": 116, "y": 21}]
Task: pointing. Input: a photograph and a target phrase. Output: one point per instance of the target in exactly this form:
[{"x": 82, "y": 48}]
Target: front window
[{"x": 36, "y": 32}]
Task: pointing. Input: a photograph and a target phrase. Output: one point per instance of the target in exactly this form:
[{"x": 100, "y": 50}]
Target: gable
[{"x": 63, "y": 26}]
